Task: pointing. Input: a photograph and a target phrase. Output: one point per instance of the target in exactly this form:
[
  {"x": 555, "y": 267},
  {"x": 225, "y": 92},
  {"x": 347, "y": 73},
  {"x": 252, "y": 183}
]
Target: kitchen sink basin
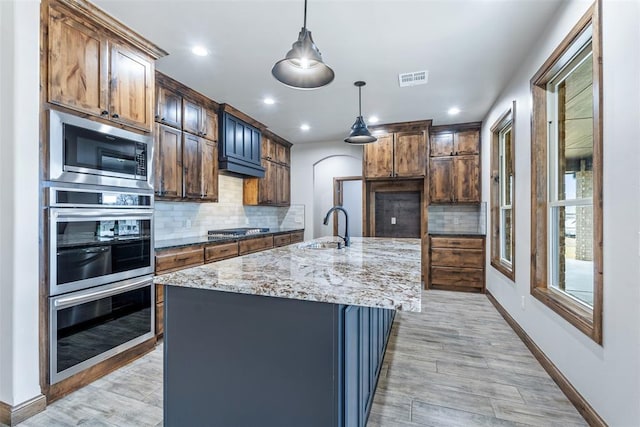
[{"x": 322, "y": 245}]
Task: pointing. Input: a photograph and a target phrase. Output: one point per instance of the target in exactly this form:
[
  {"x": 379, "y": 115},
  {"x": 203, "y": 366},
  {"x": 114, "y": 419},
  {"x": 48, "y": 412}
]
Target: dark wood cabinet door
[
  {"x": 267, "y": 184},
  {"x": 209, "y": 169},
  {"x": 466, "y": 142},
  {"x": 467, "y": 179},
  {"x": 268, "y": 148},
  {"x": 210, "y": 125},
  {"x": 169, "y": 107},
  {"x": 442, "y": 144},
  {"x": 378, "y": 158},
  {"x": 131, "y": 88},
  {"x": 78, "y": 65},
  {"x": 192, "y": 117},
  {"x": 192, "y": 173},
  {"x": 168, "y": 162},
  {"x": 441, "y": 180},
  {"x": 410, "y": 154},
  {"x": 282, "y": 154},
  {"x": 283, "y": 185}
]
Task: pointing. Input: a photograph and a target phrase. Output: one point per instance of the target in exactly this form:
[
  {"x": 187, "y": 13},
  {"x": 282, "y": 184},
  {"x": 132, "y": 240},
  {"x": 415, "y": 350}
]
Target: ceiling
[{"x": 469, "y": 47}]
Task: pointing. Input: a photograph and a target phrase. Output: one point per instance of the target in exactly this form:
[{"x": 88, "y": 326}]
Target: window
[
  {"x": 502, "y": 187},
  {"x": 566, "y": 144}
]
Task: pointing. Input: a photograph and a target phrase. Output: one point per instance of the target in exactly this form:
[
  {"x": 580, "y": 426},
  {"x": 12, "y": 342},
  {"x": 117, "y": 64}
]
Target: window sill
[
  {"x": 505, "y": 270},
  {"x": 573, "y": 312}
]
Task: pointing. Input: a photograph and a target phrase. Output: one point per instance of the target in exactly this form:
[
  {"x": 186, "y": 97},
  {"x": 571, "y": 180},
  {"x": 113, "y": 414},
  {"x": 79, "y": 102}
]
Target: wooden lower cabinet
[
  {"x": 177, "y": 259},
  {"x": 457, "y": 263},
  {"x": 297, "y": 237},
  {"x": 255, "y": 245},
  {"x": 220, "y": 252},
  {"x": 281, "y": 240}
]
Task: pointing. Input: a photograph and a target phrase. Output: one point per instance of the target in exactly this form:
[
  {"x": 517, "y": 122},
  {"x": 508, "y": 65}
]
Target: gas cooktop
[{"x": 235, "y": 232}]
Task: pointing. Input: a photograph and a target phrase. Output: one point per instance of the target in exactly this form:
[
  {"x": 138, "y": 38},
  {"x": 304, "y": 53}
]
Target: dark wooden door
[
  {"x": 378, "y": 158},
  {"x": 397, "y": 214},
  {"x": 267, "y": 184},
  {"x": 78, "y": 71},
  {"x": 467, "y": 179},
  {"x": 442, "y": 144},
  {"x": 169, "y": 107},
  {"x": 410, "y": 154},
  {"x": 210, "y": 125},
  {"x": 283, "y": 185},
  {"x": 466, "y": 142},
  {"x": 168, "y": 162},
  {"x": 209, "y": 169},
  {"x": 131, "y": 94},
  {"x": 441, "y": 180},
  {"x": 268, "y": 148},
  {"x": 191, "y": 166},
  {"x": 192, "y": 117}
]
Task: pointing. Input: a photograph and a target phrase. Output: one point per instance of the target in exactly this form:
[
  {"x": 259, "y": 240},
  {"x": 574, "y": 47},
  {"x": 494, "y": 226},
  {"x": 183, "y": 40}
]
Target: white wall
[
  {"x": 19, "y": 192},
  {"x": 304, "y": 158},
  {"x": 608, "y": 376}
]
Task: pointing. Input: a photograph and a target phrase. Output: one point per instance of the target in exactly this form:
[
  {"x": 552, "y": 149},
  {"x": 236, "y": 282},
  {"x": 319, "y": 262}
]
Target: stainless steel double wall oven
[{"x": 99, "y": 201}]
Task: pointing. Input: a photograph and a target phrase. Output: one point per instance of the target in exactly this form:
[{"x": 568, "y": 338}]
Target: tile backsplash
[
  {"x": 460, "y": 219},
  {"x": 182, "y": 219}
]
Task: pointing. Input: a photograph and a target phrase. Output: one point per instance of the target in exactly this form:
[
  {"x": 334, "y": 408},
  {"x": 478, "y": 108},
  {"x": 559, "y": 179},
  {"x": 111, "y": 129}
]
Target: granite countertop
[
  {"x": 198, "y": 240},
  {"x": 372, "y": 272}
]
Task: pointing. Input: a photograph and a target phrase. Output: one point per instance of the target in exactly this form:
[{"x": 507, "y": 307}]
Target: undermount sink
[{"x": 322, "y": 245}]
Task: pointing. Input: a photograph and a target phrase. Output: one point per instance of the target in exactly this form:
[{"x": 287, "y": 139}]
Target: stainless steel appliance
[
  {"x": 98, "y": 235},
  {"x": 91, "y": 325},
  {"x": 101, "y": 293},
  {"x": 88, "y": 152}
]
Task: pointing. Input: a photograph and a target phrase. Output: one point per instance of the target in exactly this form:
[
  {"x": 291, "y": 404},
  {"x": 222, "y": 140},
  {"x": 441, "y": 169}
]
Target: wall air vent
[{"x": 413, "y": 79}]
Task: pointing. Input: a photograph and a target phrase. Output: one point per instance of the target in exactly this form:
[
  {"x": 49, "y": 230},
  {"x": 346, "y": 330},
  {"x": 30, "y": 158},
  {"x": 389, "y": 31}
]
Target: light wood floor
[{"x": 455, "y": 364}]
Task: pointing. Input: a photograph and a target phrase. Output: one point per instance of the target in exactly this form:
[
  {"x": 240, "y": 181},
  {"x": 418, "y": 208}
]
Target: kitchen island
[{"x": 292, "y": 336}]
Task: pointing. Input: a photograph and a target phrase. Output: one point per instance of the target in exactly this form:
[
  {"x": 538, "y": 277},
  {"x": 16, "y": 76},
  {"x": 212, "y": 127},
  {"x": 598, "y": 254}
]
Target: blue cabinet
[
  {"x": 239, "y": 150},
  {"x": 366, "y": 332}
]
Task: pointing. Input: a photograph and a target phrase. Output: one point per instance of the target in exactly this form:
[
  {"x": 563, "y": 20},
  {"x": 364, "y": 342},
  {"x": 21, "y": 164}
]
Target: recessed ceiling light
[
  {"x": 374, "y": 119},
  {"x": 454, "y": 110},
  {"x": 199, "y": 50},
  {"x": 305, "y": 127},
  {"x": 269, "y": 101}
]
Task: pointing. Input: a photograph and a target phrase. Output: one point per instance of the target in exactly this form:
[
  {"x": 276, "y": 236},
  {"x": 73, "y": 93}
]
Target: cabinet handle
[
  {"x": 204, "y": 134},
  {"x": 104, "y": 113},
  {"x": 451, "y": 153},
  {"x": 115, "y": 115}
]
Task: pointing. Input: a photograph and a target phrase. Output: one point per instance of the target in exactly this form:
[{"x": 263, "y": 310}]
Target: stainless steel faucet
[{"x": 347, "y": 240}]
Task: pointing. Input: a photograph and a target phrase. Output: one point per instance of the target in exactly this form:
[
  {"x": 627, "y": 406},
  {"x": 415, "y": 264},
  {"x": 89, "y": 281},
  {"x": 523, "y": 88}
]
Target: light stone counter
[{"x": 372, "y": 272}]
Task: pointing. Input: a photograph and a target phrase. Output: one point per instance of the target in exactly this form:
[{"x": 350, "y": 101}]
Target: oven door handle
[
  {"x": 63, "y": 214},
  {"x": 80, "y": 299}
]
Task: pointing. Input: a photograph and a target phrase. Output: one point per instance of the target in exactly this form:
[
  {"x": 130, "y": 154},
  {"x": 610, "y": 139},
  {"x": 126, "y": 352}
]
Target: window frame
[
  {"x": 505, "y": 120},
  {"x": 587, "y": 320}
]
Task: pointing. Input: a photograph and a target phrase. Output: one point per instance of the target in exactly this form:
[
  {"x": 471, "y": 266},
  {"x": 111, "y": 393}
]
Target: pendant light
[
  {"x": 302, "y": 67},
  {"x": 359, "y": 132}
]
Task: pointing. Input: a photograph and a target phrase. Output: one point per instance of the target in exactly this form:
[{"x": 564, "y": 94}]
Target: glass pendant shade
[
  {"x": 302, "y": 67},
  {"x": 359, "y": 132}
]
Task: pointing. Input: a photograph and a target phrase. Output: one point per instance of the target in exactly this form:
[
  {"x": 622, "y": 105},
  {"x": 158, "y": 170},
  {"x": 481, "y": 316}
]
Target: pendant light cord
[
  {"x": 360, "y": 101},
  {"x": 305, "y": 15}
]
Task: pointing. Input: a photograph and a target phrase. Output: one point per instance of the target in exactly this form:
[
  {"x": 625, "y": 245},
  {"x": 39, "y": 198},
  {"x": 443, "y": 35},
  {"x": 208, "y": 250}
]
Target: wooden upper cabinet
[
  {"x": 268, "y": 148},
  {"x": 209, "y": 170},
  {"x": 283, "y": 185},
  {"x": 131, "y": 88},
  {"x": 282, "y": 154},
  {"x": 467, "y": 179},
  {"x": 94, "y": 68},
  {"x": 191, "y": 166},
  {"x": 192, "y": 115},
  {"x": 169, "y": 107},
  {"x": 442, "y": 144},
  {"x": 168, "y": 162},
  {"x": 275, "y": 187},
  {"x": 378, "y": 158},
  {"x": 441, "y": 180},
  {"x": 466, "y": 142},
  {"x": 410, "y": 154},
  {"x": 78, "y": 67},
  {"x": 210, "y": 126}
]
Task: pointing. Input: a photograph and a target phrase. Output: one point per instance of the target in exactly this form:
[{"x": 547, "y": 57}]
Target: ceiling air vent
[{"x": 413, "y": 79}]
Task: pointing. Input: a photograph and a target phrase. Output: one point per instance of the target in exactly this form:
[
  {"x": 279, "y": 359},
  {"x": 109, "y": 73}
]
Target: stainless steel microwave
[{"x": 87, "y": 152}]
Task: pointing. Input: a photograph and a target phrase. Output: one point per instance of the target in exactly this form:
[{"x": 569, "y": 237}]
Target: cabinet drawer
[
  {"x": 457, "y": 257},
  {"x": 255, "y": 245},
  {"x": 297, "y": 237},
  {"x": 282, "y": 240},
  {"x": 466, "y": 277},
  {"x": 457, "y": 242},
  {"x": 159, "y": 318},
  {"x": 179, "y": 259},
  {"x": 218, "y": 252},
  {"x": 159, "y": 293}
]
